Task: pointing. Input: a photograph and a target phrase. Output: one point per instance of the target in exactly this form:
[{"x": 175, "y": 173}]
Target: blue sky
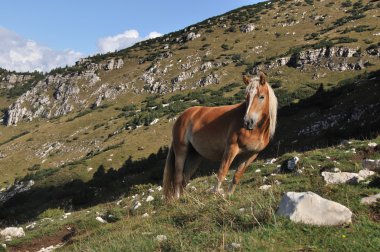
[{"x": 67, "y": 30}]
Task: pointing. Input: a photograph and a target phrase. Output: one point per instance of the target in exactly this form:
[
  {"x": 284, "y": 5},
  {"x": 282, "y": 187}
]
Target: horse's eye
[{"x": 261, "y": 97}]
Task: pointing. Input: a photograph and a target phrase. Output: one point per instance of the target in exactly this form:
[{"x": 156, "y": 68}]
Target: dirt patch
[{"x": 63, "y": 236}]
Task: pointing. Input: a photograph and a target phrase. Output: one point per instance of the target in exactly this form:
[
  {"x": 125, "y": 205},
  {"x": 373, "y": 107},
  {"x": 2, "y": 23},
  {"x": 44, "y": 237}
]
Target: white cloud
[
  {"x": 20, "y": 54},
  {"x": 123, "y": 40}
]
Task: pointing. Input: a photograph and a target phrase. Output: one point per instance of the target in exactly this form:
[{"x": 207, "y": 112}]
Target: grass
[{"x": 208, "y": 222}]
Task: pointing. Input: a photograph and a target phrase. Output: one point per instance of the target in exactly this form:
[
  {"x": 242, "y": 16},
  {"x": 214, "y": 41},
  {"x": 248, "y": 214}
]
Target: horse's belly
[{"x": 207, "y": 150}]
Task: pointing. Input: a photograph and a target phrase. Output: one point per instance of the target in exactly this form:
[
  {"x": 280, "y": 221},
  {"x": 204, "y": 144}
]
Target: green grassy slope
[{"x": 208, "y": 222}]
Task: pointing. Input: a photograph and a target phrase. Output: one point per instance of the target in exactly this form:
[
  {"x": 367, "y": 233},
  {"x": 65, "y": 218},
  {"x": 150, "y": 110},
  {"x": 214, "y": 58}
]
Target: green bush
[{"x": 53, "y": 213}]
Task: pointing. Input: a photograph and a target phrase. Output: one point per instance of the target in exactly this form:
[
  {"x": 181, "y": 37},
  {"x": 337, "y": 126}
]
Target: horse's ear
[
  {"x": 263, "y": 78},
  {"x": 246, "y": 80}
]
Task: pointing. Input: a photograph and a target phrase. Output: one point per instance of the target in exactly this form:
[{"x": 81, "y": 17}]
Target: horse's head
[{"x": 257, "y": 101}]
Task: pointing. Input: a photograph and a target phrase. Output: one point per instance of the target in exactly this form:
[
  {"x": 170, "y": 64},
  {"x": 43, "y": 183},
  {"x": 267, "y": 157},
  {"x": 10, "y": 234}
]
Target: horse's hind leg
[
  {"x": 192, "y": 162},
  {"x": 239, "y": 173}
]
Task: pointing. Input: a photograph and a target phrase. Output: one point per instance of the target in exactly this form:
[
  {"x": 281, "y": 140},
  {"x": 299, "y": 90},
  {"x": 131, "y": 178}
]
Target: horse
[{"x": 223, "y": 133}]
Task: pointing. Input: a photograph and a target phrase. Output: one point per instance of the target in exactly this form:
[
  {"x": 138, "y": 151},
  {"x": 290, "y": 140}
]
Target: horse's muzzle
[{"x": 249, "y": 124}]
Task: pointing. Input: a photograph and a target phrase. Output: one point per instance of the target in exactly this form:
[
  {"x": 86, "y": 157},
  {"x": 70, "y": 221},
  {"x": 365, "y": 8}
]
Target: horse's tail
[{"x": 168, "y": 180}]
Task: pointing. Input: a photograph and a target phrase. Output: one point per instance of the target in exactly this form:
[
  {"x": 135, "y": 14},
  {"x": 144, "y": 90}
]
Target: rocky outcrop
[
  {"x": 310, "y": 208},
  {"x": 113, "y": 64},
  {"x": 247, "y": 28},
  {"x": 333, "y": 58},
  {"x": 208, "y": 80},
  {"x": 11, "y": 191},
  {"x": 59, "y": 94}
]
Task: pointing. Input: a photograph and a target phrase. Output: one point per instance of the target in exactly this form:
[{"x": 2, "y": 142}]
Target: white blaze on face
[{"x": 252, "y": 93}]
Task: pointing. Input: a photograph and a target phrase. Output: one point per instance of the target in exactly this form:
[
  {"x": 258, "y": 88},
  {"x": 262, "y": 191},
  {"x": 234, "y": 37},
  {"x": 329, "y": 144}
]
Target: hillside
[
  {"x": 97, "y": 132},
  {"x": 201, "y": 220}
]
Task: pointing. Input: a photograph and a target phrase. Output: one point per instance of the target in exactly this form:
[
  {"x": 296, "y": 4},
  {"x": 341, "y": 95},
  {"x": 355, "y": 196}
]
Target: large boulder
[{"x": 310, "y": 208}]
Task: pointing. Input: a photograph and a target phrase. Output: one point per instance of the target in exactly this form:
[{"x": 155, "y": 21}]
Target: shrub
[
  {"x": 226, "y": 47},
  {"x": 52, "y": 213}
]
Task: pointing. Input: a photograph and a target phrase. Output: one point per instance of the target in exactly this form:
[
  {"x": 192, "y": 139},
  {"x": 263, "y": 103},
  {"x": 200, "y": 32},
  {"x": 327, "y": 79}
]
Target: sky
[{"x": 45, "y": 34}]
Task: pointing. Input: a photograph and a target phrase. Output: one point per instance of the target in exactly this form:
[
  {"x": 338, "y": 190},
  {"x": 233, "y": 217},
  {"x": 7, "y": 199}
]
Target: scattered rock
[
  {"x": 242, "y": 209},
  {"x": 51, "y": 248},
  {"x": 145, "y": 215},
  {"x": 265, "y": 187},
  {"x": 247, "y": 28},
  {"x": 100, "y": 219},
  {"x": 370, "y": 199},
  {"x": 233, "y": 246},
  {"x": 371, "y": 164},
  {"x": 31, "y": 226},
  {"x": 12, "y": 232},
  {"x": 149, "y": 198},
  {"x": 289, "y": 165},
  {"x": 372, "y": 144},
  {"x": 346, "y": 177},
  {"x": 310, "y": 208},
  {"x": 257, "y": 170},
  {"x": 65, "y": 215},
  {"x": 136, "y": 205},
  {"x": 161, "y": 238}
]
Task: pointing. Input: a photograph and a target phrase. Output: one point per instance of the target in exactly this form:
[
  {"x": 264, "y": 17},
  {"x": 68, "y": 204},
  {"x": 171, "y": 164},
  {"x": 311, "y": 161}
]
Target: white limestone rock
[
  {"x": 370, "y": 199},
  {"x": 12, "y": 232},
  {"x": 161, "y": 238},
  {"x": 346, "y": 177},
  {"x": 310, "y": 208}
]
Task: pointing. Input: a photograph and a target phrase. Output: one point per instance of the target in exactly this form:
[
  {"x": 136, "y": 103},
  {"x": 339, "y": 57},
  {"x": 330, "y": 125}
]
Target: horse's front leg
[
  {"x": 228, "y": 156},
  {"x": 239, "y": 173}
]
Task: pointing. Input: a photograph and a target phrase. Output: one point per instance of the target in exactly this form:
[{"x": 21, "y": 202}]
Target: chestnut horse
[{"x": 221, "y": 134}]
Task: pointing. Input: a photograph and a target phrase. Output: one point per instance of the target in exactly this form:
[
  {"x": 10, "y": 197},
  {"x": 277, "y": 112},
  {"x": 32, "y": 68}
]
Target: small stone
[
  {"x": 235, "y": 245},
  {"x": 149, "y": 198},
  {"x": 145, "y": 215},
  {"x": 136, "y": 205},
  {"x": 265, "y": 187},
  {"x": 161, "y": 238},
  {"x": 150, "y": 190},
  {"x": 100, "y": 219},
  {"x": 159, "y": 188},
  {"x": 372, "y": 144},
  {"x": 258, "y": 170},
  {"x": 370, "y": 199},
  {"x": 242, "y": 209},
  {"x": 119, "y": 202},
  {"x": 336, "y": 170},
  {"x": 31, "y": 226},
  {"x": 193, "y": 188},
  {"x": 89, "y": 169}
]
